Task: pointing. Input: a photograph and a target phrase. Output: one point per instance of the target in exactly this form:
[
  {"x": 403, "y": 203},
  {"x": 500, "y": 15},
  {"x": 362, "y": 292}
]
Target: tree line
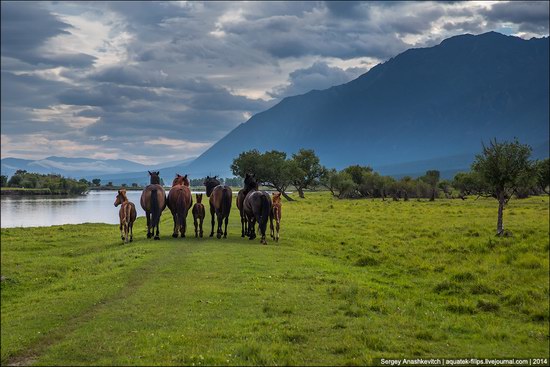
[
  {"x": 54, "y": 182},
  {"x": 502, "y": 170}
]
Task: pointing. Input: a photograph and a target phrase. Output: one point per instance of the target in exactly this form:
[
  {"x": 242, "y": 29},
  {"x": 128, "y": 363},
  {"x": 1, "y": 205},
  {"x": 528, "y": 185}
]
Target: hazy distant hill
[
  {"x": 428, "y": 105},
  {"x": 84, "y": 167}
]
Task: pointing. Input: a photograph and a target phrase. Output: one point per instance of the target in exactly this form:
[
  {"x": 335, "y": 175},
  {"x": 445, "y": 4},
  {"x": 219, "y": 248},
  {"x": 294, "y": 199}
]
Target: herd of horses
[{"x": 255, "y": 207}]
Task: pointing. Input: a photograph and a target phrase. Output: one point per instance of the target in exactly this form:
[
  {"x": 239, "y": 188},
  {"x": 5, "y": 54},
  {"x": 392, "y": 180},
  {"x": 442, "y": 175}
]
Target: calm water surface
[{"x": 38, "y": 211}]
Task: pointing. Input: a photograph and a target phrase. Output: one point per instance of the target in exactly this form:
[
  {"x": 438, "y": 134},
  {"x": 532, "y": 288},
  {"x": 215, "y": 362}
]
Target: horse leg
[
  {"x": 175, "y": 231},
  {"x": 201, "y": 220},
  {"x": 242, "y": 225},
  {"x": 212, "y": 214},
  {"x": 131, "y": 231},
  {"x": 251, "y": 229},
  {"x": 196, "y": 226},
  {"x": 183, "y": 227},
  {"x": 148, "y": 216},
  {"x": 277, "y": 225},
  {"x": 157, "y": 236},
  {"x": 271, "y": 230},
  {"x": 126, "y": 230},
  {"x": 220, "y": 222},
  {"x": 226, "y": 221},
  {"x": 121, "y": 233}
]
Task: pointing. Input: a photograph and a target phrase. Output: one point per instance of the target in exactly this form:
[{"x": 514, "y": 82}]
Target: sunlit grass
[{"x": 349, "y": 281}]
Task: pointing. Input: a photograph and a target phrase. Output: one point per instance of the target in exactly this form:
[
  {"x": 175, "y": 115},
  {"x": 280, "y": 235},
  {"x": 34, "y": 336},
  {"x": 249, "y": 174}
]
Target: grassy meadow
[{"x": 349, "y": 281}]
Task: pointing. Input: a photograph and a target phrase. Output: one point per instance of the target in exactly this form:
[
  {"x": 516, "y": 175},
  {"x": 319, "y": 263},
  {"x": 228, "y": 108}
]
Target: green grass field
[{"x": 349, "y": 281}]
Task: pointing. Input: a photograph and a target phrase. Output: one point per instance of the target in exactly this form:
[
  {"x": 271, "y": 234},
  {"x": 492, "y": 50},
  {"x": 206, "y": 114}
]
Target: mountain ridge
[{"x": 455, "y": 95}]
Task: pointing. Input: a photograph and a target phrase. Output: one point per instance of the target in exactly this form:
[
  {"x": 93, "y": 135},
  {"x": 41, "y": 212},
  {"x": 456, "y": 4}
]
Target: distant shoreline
[{"x": 22, "y": 191}]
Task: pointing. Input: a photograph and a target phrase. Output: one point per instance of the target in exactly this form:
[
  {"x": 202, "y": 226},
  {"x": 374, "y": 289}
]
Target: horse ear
[
  {"x": 150, "y": 173},
  {"x": 185, "y": 176},
  {"x": 157, "y": 173}
]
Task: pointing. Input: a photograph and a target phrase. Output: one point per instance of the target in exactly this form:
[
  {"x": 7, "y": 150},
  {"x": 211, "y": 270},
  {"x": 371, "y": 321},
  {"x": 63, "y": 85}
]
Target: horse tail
[
  {"x": 155, "y": 210},
  {"x": 181, "y": 208},
  {"x": 264, "y": 213},
  {"x": 226, "y": 203}
]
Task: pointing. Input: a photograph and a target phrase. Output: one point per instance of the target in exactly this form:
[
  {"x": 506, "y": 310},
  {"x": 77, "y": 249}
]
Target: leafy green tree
[
  {"x": 542, "y": 174},
  {"x": 357, "y": 172},
  {"x": 306, "y": 171},
  {"x": 467, "y": 183},
  {"x": 432, "y": 178},
  {"x": 372, "y": 184},
  {"x": 326, "y": 180},
  {"x": 501, "y": 167},
  {"x": 15, "y": 180},
  {"x": 3, "y": 180},
  {"x": 96, "y": 182},
  {"x": 134, "y": 185},
  {"x": 272, "y": 169}
]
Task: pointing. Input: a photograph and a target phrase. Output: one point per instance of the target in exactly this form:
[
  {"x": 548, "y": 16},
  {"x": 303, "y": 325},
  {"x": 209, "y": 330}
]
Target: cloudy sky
[{"x": 162, "y": 81}]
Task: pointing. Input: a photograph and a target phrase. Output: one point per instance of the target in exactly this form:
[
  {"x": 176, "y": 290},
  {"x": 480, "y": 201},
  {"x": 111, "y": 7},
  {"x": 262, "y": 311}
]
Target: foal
[
  {"x": 127, "y": 215},
  {"x": 276, "y": 213},
  {"x": 198, "y": 213}
]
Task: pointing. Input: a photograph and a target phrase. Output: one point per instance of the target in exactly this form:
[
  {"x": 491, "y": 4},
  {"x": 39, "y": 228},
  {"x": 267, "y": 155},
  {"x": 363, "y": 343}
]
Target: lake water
[{"x": 38, "y": 211}]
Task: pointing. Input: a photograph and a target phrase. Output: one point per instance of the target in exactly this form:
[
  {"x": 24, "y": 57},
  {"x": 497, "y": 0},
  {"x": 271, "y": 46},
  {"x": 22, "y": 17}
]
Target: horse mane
[{"x": 122, "y": 192}]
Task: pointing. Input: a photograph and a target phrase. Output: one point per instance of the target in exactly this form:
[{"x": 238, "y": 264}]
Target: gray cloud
[
  {"x": 531, "y": 16},
  {"x": 106, "y": 77},
  {"x": 317, "y": 76},
  {"x": 26, "y": 26}
]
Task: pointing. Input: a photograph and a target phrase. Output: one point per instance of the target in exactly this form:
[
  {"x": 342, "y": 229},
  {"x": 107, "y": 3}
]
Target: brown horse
[
  {"x": 127, "y": 215},
  {"x": 250, "y": 184},
  {"x": 179, "y": 202},
  {"x": 276, "y": 214},
  {"x": 220, "y": 203},
  {"x": 198, "y": 215},
  {"x": 153, "y": 202}
]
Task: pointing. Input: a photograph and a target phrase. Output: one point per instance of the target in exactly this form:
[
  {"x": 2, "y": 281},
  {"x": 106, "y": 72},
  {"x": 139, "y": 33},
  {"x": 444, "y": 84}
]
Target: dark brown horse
[
  {"x": 276, "y": 214},
  {"x": 198, "y": 215},
  {"x": 257, "y": 207},
  {"x": 250, "y": 184},
  {"x": 179, "y": 202},
  {"x": 127, "y": 215},
  {"x": 220, "y": 203},
  {"x": 153, "y": 202}
]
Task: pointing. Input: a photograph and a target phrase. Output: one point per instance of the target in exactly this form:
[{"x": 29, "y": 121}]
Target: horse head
[
  {"x": 155, "y": 179},
  {"x": 250, "y": 182},
  {"x": 276, "y": 197},
  {"x": 210, "y": 183},
  {"x": 180, "y": 180},
  {"x": 121, "y": 197},
  {"x": 199, "y": 198}
]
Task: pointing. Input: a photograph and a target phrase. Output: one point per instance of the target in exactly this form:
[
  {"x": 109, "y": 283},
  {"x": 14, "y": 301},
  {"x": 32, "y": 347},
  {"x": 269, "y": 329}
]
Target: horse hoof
[
  {"x": 157, "y": 238},
  {"x": 211, "y": 234},
  {"x": 218, "y": 236},
  {"x": 242, "y": 235},
  {"x": 175, "y": 235},
  {"x": 182, "y": 235},
  {"x": 201, "y": 235},
  {"x": 149, "y": 235},
  {"x": 131, "y": 240}
]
